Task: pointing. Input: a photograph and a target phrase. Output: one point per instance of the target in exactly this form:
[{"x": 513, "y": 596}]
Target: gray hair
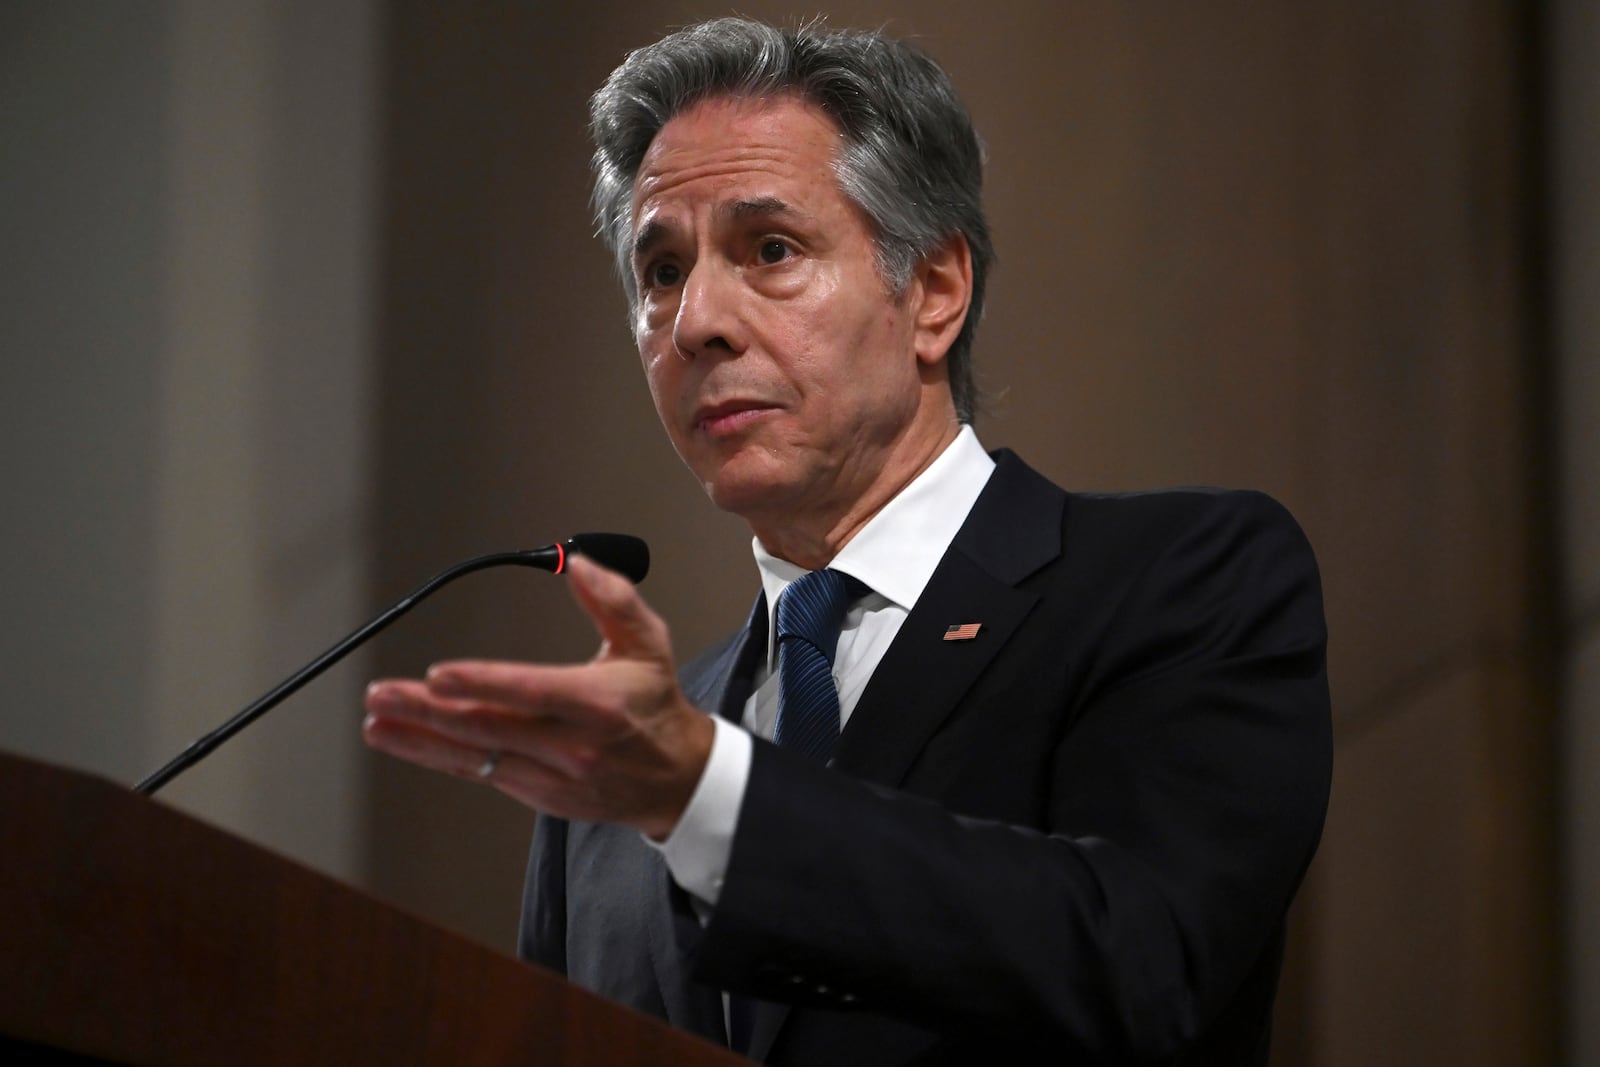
[{"x": 911, "y": 159}]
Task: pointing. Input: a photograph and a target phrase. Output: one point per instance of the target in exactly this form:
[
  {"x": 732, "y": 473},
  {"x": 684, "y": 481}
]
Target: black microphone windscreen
[{"x": 622, "y": 553}]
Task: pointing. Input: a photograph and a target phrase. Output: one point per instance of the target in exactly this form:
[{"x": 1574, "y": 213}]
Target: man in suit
[{"x": 992, "y": 768}]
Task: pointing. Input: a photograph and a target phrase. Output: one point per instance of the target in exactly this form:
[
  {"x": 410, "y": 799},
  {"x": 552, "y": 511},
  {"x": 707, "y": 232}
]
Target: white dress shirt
[{"x": 895, "y": 554}]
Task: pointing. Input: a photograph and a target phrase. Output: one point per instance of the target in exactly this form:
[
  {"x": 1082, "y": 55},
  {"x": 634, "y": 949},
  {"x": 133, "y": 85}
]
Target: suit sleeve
[{"x": 1182, "y": 800}]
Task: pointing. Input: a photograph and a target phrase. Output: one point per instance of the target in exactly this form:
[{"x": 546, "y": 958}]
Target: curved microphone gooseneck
[{"x": 620, "y": 552}]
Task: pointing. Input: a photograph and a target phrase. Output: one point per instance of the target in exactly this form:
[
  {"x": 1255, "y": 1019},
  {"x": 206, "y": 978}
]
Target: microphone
[
  {"x": 627, "y": 555},
  {"x": 619, "y": 552}
]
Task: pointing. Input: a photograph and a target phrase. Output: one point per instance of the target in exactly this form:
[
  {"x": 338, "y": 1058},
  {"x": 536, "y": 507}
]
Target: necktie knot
[
  {"x": 810, "y": 613},
  {"x": 813, "y": 608}
]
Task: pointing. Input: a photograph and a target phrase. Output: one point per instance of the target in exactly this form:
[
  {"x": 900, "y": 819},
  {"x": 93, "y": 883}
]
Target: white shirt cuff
[{"x": 697, "y": 850}]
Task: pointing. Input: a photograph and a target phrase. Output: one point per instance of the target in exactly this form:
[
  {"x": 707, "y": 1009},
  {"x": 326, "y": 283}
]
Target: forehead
[{"x": 728, "y": 147}]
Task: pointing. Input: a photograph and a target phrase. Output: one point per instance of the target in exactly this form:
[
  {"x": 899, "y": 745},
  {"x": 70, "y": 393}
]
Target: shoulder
[
  {"x": 1183, "y": 519},
  {"x": 1162, "y": 573},
  {"x": 1207, "y": 576},
  {"x": 1117, "y": 530}
]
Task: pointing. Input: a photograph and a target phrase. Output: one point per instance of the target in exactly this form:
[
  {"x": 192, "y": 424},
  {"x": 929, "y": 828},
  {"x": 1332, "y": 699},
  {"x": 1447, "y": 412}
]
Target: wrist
[{"x": 691, "y": 752}]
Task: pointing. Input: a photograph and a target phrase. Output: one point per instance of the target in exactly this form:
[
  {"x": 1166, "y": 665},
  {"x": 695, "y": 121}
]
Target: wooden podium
[{"x": 131, "y": 933}]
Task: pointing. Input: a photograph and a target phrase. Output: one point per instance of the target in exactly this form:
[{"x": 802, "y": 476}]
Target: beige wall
[{"x": 186, "y": 224}]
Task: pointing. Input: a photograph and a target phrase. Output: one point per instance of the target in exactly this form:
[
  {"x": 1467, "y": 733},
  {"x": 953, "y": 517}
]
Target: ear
[{"x": 942, "y": 287}]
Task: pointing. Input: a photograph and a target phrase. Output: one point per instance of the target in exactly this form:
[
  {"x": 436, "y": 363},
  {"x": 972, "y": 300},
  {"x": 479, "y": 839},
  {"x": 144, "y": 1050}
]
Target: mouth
[{"x": 730, "y": 416}]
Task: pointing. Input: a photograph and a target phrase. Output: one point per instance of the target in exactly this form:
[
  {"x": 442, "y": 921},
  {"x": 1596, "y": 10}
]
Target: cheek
[{"x": 660, "y": 374}]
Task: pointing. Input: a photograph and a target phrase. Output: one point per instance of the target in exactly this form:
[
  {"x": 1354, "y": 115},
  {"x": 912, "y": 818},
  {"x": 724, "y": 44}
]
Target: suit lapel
[
  {"x": 1014, "y": 529},
  {"x": 718, "y": 683}
]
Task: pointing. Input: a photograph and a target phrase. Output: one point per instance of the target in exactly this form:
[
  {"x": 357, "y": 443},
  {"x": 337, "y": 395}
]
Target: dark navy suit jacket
[{"x": 1077, "y": 833}]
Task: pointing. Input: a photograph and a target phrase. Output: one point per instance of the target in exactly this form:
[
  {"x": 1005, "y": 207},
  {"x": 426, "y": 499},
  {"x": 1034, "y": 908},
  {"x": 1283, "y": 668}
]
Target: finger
[
  {"x": 410, "y": 707},
  {"x": 628, "y": 626},
  {"x": 471, "y": 722},
  {"x": 406, "y": 721},
  {"x": 410, "y": 701},
  {"x": 527, "y": 779},
  {"x": 583, "y": 693},
  {"x": 422, "y": 746},
  {"x": 385, "y": 692}
]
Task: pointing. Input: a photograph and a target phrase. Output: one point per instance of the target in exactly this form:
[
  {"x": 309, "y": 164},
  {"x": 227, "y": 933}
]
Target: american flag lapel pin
[{"x": 962, "y": 631}]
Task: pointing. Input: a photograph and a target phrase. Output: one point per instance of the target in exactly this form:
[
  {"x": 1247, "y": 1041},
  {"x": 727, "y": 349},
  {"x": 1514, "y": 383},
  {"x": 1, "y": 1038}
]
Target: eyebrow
[
  {"x": 761, "y": 207},
  {"x": 650, "y": 234},
  {"x": 653, "y": 232}
]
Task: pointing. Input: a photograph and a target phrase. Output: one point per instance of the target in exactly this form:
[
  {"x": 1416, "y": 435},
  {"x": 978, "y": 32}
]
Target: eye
[
  {"x": 773, "y": 251},
  {"x": 662, "y": 275}
]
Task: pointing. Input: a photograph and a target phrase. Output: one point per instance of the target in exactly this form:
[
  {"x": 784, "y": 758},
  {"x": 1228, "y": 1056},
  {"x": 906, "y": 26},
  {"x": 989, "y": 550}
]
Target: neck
[{"x": 813, "y": 540}]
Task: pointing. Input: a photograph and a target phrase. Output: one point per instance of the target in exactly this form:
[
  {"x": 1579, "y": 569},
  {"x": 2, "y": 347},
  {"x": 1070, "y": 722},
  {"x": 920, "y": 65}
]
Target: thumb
[{"x": 629, "y": 627}]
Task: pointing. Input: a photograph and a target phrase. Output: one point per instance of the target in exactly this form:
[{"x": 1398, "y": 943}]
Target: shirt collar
[{"x": 897, "y": 550}]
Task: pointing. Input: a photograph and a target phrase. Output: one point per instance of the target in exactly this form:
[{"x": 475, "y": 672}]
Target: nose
[{"x": 708, "y": 314}]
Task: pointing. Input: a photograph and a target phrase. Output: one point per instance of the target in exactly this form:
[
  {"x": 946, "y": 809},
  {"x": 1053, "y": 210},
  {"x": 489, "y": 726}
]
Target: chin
[
  {"x": 739, "y": 498},
  {"x": 752, "y": 476},
  {"x": 746, "y": 492}
]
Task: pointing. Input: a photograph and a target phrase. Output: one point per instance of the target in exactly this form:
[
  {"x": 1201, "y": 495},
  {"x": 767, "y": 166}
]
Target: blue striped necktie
[{"x": 810, "y": 612}]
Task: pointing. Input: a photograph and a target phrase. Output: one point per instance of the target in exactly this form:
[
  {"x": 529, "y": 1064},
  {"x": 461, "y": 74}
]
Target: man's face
[{"x": 784, "y": 371}]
